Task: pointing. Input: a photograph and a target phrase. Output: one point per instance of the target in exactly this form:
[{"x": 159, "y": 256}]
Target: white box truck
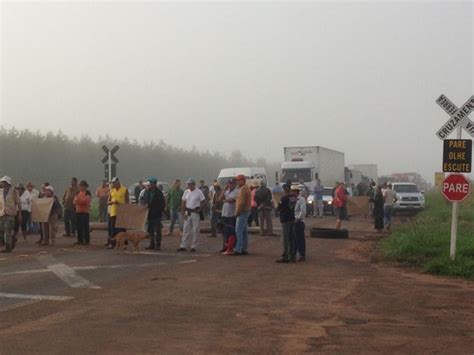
[{"x": 309, "y": 163}]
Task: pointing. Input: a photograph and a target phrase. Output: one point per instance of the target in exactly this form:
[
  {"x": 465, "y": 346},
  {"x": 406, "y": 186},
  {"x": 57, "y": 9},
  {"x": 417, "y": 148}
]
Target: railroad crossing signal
[
  {"x": 110, "y": 162},
  {"x": 459, "y": 116},
  {"x": 456, "y": 187}
]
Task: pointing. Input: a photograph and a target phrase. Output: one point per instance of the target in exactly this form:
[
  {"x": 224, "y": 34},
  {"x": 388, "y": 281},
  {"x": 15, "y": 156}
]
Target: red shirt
[
  {"x": 340, "y": 197},
  {"x": 82, "y": 202}
]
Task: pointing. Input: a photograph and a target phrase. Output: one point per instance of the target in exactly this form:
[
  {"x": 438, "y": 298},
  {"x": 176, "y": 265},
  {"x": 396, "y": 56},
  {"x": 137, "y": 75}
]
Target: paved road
[{"x": 338, "y": 301}]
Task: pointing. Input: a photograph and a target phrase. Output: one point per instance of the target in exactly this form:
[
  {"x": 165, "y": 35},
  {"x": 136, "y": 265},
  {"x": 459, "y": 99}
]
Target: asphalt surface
[{"x": 339, "y": 301}]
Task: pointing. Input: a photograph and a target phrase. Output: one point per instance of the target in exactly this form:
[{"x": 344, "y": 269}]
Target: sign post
[{"x": 456, "y": 158}]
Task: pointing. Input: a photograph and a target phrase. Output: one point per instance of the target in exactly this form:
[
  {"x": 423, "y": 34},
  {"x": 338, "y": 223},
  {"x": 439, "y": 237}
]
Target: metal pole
[
  {"x": 454, "y": 218},
  {"x": 110, "y": 165}
]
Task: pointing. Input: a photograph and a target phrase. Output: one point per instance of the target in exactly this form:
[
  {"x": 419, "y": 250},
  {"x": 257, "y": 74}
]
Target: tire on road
[{"x": 329, "y": 233}]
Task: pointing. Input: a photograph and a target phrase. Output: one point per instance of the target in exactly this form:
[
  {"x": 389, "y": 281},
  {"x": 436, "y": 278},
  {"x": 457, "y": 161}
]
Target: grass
[{"x": 424, "y": 243}]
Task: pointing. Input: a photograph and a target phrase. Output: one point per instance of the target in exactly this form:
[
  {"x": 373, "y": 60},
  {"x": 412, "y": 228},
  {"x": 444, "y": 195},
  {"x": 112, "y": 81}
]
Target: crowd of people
[{"x": 231, "y": 210}]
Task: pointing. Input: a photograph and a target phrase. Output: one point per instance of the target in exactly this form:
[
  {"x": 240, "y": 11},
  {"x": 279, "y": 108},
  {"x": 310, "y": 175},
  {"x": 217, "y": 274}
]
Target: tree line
[{"x": 56, "y": 157}]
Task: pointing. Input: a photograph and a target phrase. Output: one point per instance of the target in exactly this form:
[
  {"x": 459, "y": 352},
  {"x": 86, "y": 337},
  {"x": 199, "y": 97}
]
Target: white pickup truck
[{"x": 409, "y": 197}]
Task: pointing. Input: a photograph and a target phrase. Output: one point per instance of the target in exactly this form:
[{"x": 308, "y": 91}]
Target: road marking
[
  {"x": 38, "y": 271},
  {"x": 18, "y": 305},
  {"x": 65, "y": 273},
  {"x": 187, "y": 261},
  {"x": 193, "y": 255},
  {"x": 35, "y": 297}
]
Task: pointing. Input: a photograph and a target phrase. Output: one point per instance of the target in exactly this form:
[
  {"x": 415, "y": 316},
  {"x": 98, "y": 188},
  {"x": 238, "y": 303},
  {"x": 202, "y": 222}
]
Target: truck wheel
[{"x": 329, "y": 233}]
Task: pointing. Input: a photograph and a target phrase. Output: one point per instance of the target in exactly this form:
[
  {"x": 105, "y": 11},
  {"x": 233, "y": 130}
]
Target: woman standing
[
  {"x": 378, "y": 202},
  {"x": 82, "y": 201}
]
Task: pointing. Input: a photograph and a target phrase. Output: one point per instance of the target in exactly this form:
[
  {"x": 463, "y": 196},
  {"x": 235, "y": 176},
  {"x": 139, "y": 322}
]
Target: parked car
[
  {"x": 409, "y": 197},
  {"x": 327, "y": 202}
]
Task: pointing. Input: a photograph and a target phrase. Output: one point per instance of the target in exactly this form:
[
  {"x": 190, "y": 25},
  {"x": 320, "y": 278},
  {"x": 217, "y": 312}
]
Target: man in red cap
[{"x": 242, "y": 212}]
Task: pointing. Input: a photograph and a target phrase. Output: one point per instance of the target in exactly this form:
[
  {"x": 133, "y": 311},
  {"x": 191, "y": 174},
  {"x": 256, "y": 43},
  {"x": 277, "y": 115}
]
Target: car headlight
[
  {"x": 329, "y": 202},
  {"x": 310, "y": 201}
]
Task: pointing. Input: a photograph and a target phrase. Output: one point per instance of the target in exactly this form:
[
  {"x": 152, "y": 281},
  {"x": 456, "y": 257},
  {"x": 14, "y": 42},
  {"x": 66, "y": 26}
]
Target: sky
[{"x": 358, "y": 77}]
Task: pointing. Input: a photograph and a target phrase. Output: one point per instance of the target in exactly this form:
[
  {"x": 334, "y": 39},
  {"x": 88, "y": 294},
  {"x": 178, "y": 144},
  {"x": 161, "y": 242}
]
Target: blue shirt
[
  {"x": 318, "y": 192},
  {"x": 277, "y": 188}
]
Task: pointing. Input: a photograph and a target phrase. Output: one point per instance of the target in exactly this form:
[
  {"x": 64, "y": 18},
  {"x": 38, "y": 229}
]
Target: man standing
[
  {"x": 264, "y": 200},
  {"x": 318, "y": 199},
  {"x": 229, "y": 197},
  {"x": 242, "y": 213},
  {"x": 102, "y": 194},
  {"x": 118, "y": 196},
  {"x": 390, "y": 197},
  {"x": 286, "y": 208},
  {"x": 70, "y": 209},
  {"x": 299, "y": 226},
  {"x": 193, "y": 200},
  {"x": 82, "y": 201},
  {"x": 340, "y": 200},
  {"x": 216, "y": 209},
  {"x": 174, "y": 204},
  {"x": 10, "y": 209},
  {"x": 155, "y": 201},
  {"x": 136, "y": 192},
  {"x": 205, "y": 190}
]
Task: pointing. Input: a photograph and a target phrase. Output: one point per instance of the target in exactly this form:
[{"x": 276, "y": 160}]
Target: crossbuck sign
[{"x": 459, "y": 116}]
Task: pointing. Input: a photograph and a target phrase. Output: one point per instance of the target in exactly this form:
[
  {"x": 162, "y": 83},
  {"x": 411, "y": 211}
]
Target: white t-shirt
[
  {"x": 26, "y": 201},
  {"x": 193, "y": 198},
  {"x": 389, "y": 196}
]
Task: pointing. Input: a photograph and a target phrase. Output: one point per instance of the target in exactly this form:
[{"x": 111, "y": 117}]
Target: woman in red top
[
  {"x": 82, "y": 201},
  {"x": 340, "y": 199}
]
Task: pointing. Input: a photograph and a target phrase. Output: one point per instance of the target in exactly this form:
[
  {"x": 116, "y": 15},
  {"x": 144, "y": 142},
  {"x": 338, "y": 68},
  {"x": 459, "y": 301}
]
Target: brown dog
[{"x": 134, "y": 237}]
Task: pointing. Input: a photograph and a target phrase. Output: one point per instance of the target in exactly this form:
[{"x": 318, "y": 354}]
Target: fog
[{"x": 358, "y": 77}]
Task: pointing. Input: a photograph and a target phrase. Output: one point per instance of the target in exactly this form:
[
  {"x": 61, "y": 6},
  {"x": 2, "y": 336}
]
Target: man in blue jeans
[
  {"x": 242, "y": 212},
  {"x": 298, "y": 225}
]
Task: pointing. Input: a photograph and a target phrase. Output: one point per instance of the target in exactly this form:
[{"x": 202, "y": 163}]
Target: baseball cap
[
  {"x": 152, "y": 180},
  {"x": 6, "y": 179},
  {"x": 115, "y": 179},
  {"x": 190, "y": 181},
  {"x": 50, "y": 188},
  {"x": 295, "y": 187}
]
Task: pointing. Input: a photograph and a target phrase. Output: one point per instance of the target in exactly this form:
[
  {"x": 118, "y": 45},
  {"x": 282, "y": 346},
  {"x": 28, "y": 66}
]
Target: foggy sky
[{"x": 359, "y": 77}]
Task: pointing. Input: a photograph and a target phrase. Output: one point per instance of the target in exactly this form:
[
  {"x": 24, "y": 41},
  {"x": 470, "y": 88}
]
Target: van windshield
[
  {"x": 406, "y": 188},
  {"x": 296, "y": 174}
]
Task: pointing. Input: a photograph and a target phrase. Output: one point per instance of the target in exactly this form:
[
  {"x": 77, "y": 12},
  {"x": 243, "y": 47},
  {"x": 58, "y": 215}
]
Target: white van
[{"x": 249, "y": 173}]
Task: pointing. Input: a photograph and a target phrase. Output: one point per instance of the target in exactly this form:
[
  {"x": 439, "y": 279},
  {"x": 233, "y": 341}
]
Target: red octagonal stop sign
[{"x": 456, "y": 187}]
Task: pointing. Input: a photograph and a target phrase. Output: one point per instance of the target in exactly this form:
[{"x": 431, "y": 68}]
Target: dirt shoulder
[{"x": 337, "y": 301}]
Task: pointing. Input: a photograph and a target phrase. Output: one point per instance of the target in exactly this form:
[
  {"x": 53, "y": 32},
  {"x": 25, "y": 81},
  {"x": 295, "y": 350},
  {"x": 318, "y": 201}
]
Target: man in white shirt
[
  {"x": 193, "y": 201},
  {"x": 390, "y": 197},
  {"x": 299, "y": 226}
]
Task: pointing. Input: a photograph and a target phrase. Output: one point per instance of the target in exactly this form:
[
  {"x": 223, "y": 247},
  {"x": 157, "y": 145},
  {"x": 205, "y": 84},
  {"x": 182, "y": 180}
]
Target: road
[{"x": 87, "y": 300}]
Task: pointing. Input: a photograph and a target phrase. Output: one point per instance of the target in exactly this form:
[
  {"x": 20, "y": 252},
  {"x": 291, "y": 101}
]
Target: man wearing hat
[
  {"x": 9, "y": 210},
  {"x": 193, "y": 201},
  {"x": 242, "y": 213},
  {"x": 155, "y": 201}
]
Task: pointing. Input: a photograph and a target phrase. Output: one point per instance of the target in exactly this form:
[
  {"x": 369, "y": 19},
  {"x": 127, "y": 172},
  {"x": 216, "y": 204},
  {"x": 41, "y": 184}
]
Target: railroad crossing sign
[
  {"x": 110, "y": 162},
  {"x": 456, "y": 187},
  {"x": 459, "y": 116},
  {"x": 112, "y": 152}
]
